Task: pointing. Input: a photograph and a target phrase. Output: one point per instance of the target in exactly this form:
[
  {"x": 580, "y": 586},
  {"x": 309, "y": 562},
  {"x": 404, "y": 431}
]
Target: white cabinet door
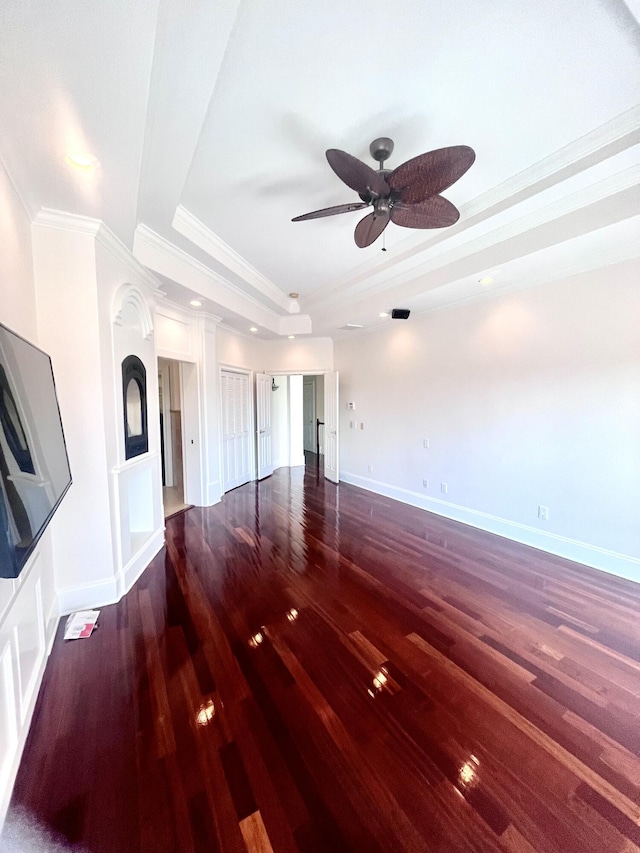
[
  {"x": 331, "y": 443},
  {"x": 263, "y": 424}
]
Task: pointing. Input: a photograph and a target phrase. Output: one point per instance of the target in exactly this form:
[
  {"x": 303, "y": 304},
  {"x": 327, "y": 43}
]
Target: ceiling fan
[{"x": 408, "y": 196}]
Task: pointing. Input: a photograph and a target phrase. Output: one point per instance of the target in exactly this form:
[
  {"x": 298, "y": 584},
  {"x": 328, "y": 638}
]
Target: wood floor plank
[{"x": 317, "y": 668}]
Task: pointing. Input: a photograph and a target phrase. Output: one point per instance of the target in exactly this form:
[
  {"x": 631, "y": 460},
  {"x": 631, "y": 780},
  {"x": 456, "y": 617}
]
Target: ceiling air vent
[{"x": 400, "y": 314}]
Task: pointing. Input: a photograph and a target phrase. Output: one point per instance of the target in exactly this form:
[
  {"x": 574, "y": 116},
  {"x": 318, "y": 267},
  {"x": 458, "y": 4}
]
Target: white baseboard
[
  {"x": 139, "y": 562},
  {"x": 614, "y": 563},
  {"x": 214, "y": 494},
  {"x": 110, "y": 591},
  {"x": 86, "y": 597}
]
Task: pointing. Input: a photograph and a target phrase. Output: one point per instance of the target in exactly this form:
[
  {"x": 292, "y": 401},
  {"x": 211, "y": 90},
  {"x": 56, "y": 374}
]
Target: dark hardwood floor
[{"x": 315, "y": 668}]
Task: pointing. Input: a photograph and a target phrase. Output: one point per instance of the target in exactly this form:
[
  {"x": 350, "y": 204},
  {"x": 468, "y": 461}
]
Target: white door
[
  {"x": 309, "y": 412},
  {"x": 331, "y": 448},
  {"x": 236, "y": 432},
  {"x": 263, "y": 425}
]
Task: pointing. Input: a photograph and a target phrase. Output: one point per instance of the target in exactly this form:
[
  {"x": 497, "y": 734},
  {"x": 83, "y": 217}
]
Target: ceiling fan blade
[
  {"x": 331, "y": 211},
  {"x": 430, "y": 173},
  {"x": 435, "y": 212},
  {"x": 356, "y": 174},
  {"x": 370, "y": 228}
]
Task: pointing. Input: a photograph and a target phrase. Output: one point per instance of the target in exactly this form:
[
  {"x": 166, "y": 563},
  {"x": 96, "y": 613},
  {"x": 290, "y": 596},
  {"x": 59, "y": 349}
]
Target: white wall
[
  {"x": 296, "y": 421},
  {"x": 92, "y": 313},
  {"x": 302, "y": 355},
  {"x": 528, "y": 399},
  {"x": 64, "y": 263},
  {"x": 235, "y": 350},
  {"x": 17, "y": 306},
  {"x": 28, "y": 614}
]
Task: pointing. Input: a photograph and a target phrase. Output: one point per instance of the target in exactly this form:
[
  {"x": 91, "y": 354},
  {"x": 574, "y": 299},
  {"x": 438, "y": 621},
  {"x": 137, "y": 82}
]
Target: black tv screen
[{"x": 34, "y": 466}]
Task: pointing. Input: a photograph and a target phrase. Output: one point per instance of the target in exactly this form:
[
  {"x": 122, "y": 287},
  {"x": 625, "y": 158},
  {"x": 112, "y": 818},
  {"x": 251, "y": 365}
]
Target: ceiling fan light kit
[{"x": 408, "y": 196}]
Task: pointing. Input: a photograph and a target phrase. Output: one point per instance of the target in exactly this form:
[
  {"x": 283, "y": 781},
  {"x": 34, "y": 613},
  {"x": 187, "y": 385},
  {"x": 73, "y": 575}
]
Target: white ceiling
[{"x": 210, "y": 122}]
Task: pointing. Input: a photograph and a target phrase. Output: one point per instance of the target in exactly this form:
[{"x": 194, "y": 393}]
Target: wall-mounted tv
[{"x": 34, "y": 466}]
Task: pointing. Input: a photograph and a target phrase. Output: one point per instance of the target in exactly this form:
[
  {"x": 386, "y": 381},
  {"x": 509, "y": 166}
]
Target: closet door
[{"x": 236, "y": 429}]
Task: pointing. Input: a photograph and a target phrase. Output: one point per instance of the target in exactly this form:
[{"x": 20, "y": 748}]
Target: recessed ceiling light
[
  {"x": 383, "y": 314},
  {"x": 487, "y": 279},
  {"x": 253, "y": 329},
  {"x": 196, "y": 303},
  {"x": 291, "y": 337},
  {"x": 293, "y": 295},
  {"x": 355, "y": 326},
  {"x": 80, "y": 160}
]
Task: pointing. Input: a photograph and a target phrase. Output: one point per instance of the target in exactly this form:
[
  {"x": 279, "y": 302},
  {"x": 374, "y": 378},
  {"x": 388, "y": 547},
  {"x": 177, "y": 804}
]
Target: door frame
[
  {"x": 167, "y": 440},
  {"x": 304, "y": 373},
  {"x": 315, "y": 409}
]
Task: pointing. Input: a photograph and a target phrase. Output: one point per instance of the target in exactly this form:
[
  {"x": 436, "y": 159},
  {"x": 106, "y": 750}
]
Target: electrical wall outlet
[
  {"x": 543, "y": 513},
  {"x": 370, "y": 469},
  {"x": 425, "y": 484},
  {"x": 425, "y": 443},
  {"x": 444, "y": 488},
  {"x": 351, "y": 407}
]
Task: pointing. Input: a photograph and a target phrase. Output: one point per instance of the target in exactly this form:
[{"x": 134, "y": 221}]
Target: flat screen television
[{"x": 34, "y": 466}]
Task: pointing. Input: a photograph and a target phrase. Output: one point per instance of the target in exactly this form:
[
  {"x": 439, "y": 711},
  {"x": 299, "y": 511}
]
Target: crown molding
[
  {"x": 197, "y": 232},
  {"x": 625, "y": 182},
  {"x": 586, "y": 263},
  {"x": 183, "y": 265},
  {"x": 95, "y": 228},
  {"x": 165, "y": 247},
  {"x": 583, "y": 262},
  {"x": 611, "y": 138},
  {"x": 168, "y": 308}
]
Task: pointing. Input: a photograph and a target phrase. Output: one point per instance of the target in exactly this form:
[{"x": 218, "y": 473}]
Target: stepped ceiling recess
[{"x": 209, "y": 122}]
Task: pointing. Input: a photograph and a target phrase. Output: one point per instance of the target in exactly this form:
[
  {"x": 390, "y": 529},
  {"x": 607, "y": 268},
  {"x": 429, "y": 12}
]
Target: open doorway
[
  {"x": 305, "y": 422},
  {"x": 171, "y": 425},
  {"x": 313, "y": 420}
]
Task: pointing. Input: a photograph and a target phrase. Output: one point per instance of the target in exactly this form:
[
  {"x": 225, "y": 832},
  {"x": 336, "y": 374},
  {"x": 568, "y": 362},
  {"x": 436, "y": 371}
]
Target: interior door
[
  {"x": 331, "y": 444},
  {"x": 309, "y": 412},
  {"x": 236, "y": 429},
  {"x": 263, "y": 425}
]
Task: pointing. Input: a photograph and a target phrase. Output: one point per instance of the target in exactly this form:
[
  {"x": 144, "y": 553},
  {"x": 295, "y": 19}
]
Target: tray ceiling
[{"x": 210, "y": 122}]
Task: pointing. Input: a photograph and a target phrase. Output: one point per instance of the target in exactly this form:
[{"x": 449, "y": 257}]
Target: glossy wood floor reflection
[{"x": 316, "y": 668}]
